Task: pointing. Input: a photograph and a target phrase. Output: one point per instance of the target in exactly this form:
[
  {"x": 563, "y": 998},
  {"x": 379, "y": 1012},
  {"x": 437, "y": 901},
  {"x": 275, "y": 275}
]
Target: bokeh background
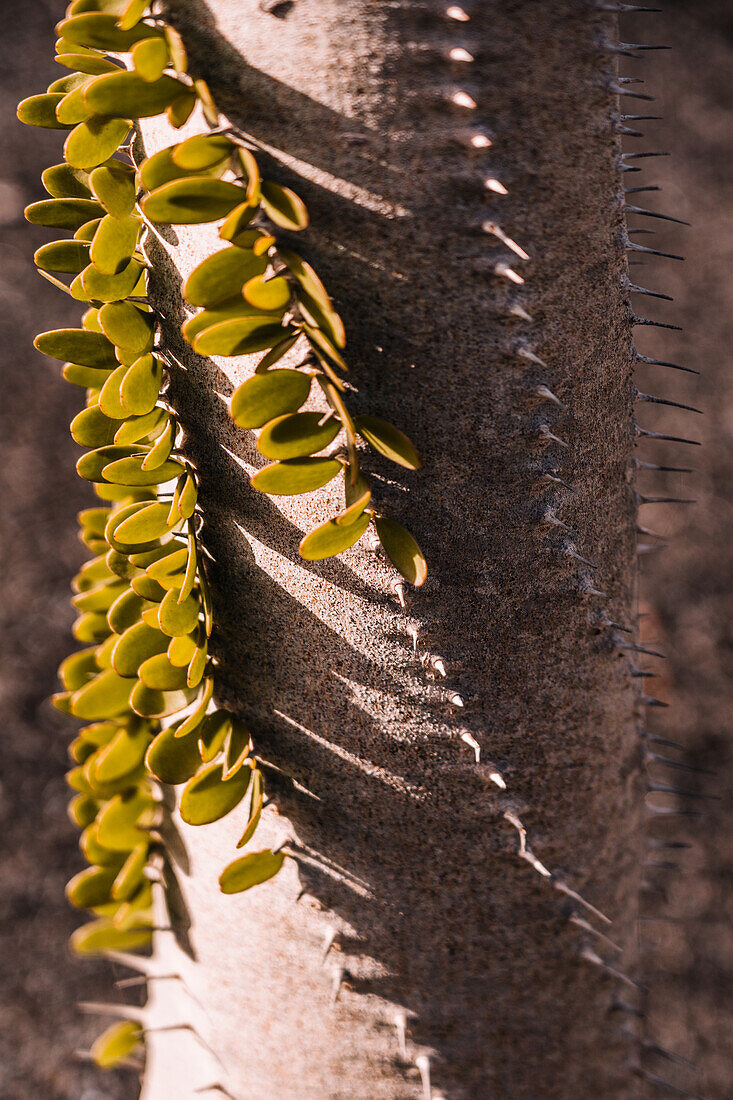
[{"x": 686, "y": 590}]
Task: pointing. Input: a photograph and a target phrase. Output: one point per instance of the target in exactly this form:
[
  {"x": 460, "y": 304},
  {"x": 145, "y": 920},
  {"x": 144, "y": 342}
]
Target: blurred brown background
[{"x": 687, "y": 591}]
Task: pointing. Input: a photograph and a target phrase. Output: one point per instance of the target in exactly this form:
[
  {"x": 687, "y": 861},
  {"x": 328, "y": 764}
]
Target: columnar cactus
[{"x": 443, "y": 767}]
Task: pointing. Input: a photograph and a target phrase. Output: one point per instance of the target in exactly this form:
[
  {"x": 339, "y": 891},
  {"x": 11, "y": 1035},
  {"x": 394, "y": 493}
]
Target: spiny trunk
[{"x": 410, "y": 860}]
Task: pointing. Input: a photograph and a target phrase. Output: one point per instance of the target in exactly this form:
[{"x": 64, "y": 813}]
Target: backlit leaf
[
  {"x": 150, "y": 58},
  {"x": 402, "y": 550},
  {"x": 250, "y": 870},
  {"x": 62, "y": 181},
  {"x": 123, "y": 754},
  {"x": 91, "y": 887},
  {"x": 178, "y": 618},
  {"x": 125, "y": 611},
  {"x": 127, "y": 326},
  {"x": 221, "y": 276},
  {"x": 92, "y": 64},
  {"x": 69, "y": 257},
  {"x": 157, "y": 672},
  {"x": 151, "y": 703},
  {"x": 116, "y": 1044},
  {"x": 208, "y": 797},
  {"x": 129, "y": 95},
  {"x": 114, "y": 243},
  {"x": 94, "y": 141},
  {"x": 111, "y": 288},
  {"x": 114, "y": 186},
  {"x": 90, "y": 349},
  {"x": 107, "y": 696},
  {"x": 109, "y": 395},
  {"x": 297, "y": 434},
  {"x": 174, "y": 759},
  {"x": 141, "y": 385},
  {"x": 40, "y": 110},
  {"x": 117, "y": 821},
  {"x": 63, "y": 213},
  {"x": 101, "y": 31},
  {"x": 192, "y": 201},
  {"x": 296, "y": 475},
  {"x": 267, "y": 294},
  {"x": 331, "y": 538},
  {"x": 102, "y": 935},
  {"x": 388, "y": 440},
  {"x": 146, "y": 524},
  {"x": 137, "y": 644},
  {"x": 283, "y": 206},
  {"x": 266, "y": 396},
  {"x": 202, "y": 151},
  {"x": 239, "y": 337}
]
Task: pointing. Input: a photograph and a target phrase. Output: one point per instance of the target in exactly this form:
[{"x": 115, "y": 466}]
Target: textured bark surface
[
  {"x": 413, "y": 866},
  {"x": 410, "y": 861}
]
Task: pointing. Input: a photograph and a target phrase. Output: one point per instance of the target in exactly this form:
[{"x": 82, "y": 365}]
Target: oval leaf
[
  {"x": 266, "y": 396},
  {"x": 331, "y": 538},
  {"x": 208, "y": 797},
  {"x": 388, "y": 440},
  {"x": 297, "y": 434},
  {"x": 250, "y": 870},
  {"x": 222, "y": 275},
  {"x": 402, "y": 550},
  {"x": 295, "y": 475},
  {"x": 191, "y": 201}
]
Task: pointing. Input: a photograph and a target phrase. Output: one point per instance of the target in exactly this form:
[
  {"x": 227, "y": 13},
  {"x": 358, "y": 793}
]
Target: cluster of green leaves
[{"x": 143, "y": 682}]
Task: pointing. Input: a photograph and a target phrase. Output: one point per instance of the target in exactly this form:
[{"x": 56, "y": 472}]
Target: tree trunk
[{"x": 406, "y": 857}]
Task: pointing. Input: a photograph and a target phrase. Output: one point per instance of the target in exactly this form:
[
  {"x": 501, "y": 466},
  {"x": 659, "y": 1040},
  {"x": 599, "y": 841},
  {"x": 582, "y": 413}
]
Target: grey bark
[{"x": 407, "y": 856}]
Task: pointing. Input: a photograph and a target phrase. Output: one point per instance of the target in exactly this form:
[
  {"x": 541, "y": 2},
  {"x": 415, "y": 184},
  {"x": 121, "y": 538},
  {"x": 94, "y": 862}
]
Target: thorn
[
  {"x": 544, "y": 435},
  {"x": 477, "y": 140},
  {"x": 664, "y": 469},
  {"x": 605, "y": 621},
  {"x": 662, "y": 363},
  {"x": 457, "y": 13},
  {"x": 125, "y": 1012},
  {"x": 398, "y": 587},
  {"x": 656, "y": 740},
  {"x": 414, "y": 634},
  {"x": 526, "y": 353},
  {"x": 457, "y": 53},
  {"x": 668, "y": 763},
  {"x": 635, "y": 320},
  {"x": 639, "y": 190},
  {"x": 463, "y": 99},
  {"x": 518, "y": 311},
  {"x": 664, "y": 788},
  {"x": 670, "y": 811},
  {"x": 642, "y": 433},
  {"x": 550, "y": 475},
  {"x": 590, "y": 956},
  {"x": 635, "y": 289},
  {"x": 649, "y": 701},
  {"x": 617, "y": 89},
  {"x": 339, "y": 973},
  {"x": 662, "y": 500},
  {"x": 655, "y": 1048},
  {"x": 497, "y": 778},
  {"x": 328, "y": 942},
  {"x": 653, "y": 214},
  {"x": 619, "y": 128},
  {"x": 581, "y": 922},
  {"x": 434, "y": 663},
  {"x": 455, "y": 699},
  {"x": 660, "y": 1083},
  {"x": 569, "y": 552},
  {"x": 641, "y": 118},
  {"x": 548, "y": 518},
  {"x": 640, "y": 45},
  {"x": 498, "y": 232},
  {"x": 503, "y": 270},
  {"x": 545, "y": 394},
  {"x": 423, "y": 1064},
  {"x": 624, "y": 1006},
  {"x": 400, "y": 1022},
  {"x": 641, "y": 156},
  {"x": 587, "y": 589},
  {"x": 631, "y": 246},
  {"x": 471, "y": 741},
  {"x": 663, "y": 401},
  {"x": 565, "y": 889},
  {"x": 496, "y": 186},
  {"x": 640, "y": 649}
]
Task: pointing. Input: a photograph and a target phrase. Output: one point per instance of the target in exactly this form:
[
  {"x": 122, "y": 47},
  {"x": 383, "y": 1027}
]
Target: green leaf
[
  {"x": 137, "y": 644},
  {"x": 357, "y": 497},
  {"x": 178, "y": 618},
  {"x": 177, "y": 49},
  {"x": 116, "y": 1044},
  {"x": 90, "y": 349},
  {"x": 131, "y": 875},
  {"x": 129, "y": 471},
  {"x": 160, "y": 168},
  {"x": 234, "y": 227},
  {"x": 123, "y": 754},
  {"x": 267, "y": 294},
  {"x": 324, "y": 346},
  {"x": 297, "y": 434},
  {"x": 69, "y": 257},
  {"x": 150, "y": 703},
  {"x": 88, "y": 378},
  {"x": 91, "y": 428},
  {"x": 64, "y": 182},
  {"x": 277, "y": 353},
  {"x": 125, "y": 611},
  {"x": 40, "y": 110},
  {"x": 296, "y": 475},
  {"x": 62, "y": 213},
  {"x": 117, "y": 827},
  {"x": 158, "y": 673},
  {"x": 100, "y": 936},
  {"x": 128, "y": 94},
  {"x": 73, "y": 107},
  {"x": 91, "y": 887},
  {"x": 89, "y": 63},
  {"x": 146, "y": 524},
  {"x": 208, "y": 797},
  {"x": 174, "y": 759},
  {"x": 132, "y": 13},
  {"x": 402, "y": 550},
  {"x": 141, "y": 385},
  {"x": 214, "y": 731},
  {"x": 114, "y": 243},
  {"x": 237, "y": 749},
  {"x": 100, "y": 31},
  {"x": 159, "y": 453},
  {"x": 107, "y": 696},
  {"x": 110, "y": 288},
  {"x": 191, "y": 201},
  {"x": 331, "y": 538},
  {"x": 250, "y": 870},
  {"x": 284, "y": 207},
  {"x": 127, "y": 326},
  {"x": 197, "y": 666},
  {"x": 182, "y": 648},
  {"x": 270, "y": 395},
  {"x": 109, "y": 395},
  {"x": 143, "y": 427},
  {"x": 92, "y": 142},
  {"x": 202, "y": 151},
  {"x": 67, "y": 84},
  {"x": 240, "y": 337},
  {"x": 255, "y": 808},
  {"x": 78, "y": 669},
  {"x": 150, "y": 58},
  {"x": 388, "y": 440},
  {"x": 231, "y": 309},
  {"x": 91, "y": 464},
  {"x": 222, "y": 275},
  {"x": 114, "y": 186}
]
